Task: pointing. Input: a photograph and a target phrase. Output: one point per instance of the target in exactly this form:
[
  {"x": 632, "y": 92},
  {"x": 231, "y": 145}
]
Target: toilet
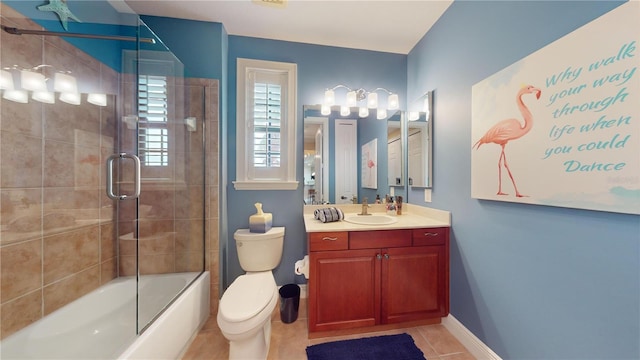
[{"x": 244, "y": 312}]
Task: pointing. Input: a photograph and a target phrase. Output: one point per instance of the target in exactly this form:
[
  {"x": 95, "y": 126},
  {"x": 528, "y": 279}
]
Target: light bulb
[
  {"x": 351, "y": 98},
  {"x": 372, "y": 100},
  {"x": 393, "y": 102},
  {"x": 32, "y": 81},
  {"x": 382, "y": 114},
  {"x": 363, "y": 112},
  {"x": 325, "y": 110},
  {"x": 345, "y": 111},
  {"x": 44, "y": 97},
  {"x": 64, "y": 83},
  {"x": 329, "y": 97},
  {"x": 6, "y": 80},
  {"x": 414, "y": 115},
  {"x": 70, "y": 98},
  {"x": 97, "y": 99},
  {"x": 19, "y": 96}
]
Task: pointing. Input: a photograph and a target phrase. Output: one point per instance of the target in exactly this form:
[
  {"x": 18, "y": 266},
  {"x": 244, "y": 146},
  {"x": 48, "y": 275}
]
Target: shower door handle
[{"x": 136, "y": 174}]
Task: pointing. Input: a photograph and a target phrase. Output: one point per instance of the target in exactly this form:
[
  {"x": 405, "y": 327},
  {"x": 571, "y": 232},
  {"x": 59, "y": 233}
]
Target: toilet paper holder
[{"x": 301, "y": 267}]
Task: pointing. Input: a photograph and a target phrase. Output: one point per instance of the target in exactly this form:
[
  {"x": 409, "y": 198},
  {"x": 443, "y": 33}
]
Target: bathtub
[{"x": 101, "y": 324}]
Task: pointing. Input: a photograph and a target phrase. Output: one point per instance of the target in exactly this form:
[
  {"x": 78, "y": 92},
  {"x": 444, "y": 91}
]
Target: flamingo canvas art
[
  {"x": 510, "y": 129},
  {"x": 561, "y": 126}
]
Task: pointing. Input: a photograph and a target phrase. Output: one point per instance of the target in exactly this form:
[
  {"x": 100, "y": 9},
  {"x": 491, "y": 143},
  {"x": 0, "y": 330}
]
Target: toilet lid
[{"x": 247, "y": 296}]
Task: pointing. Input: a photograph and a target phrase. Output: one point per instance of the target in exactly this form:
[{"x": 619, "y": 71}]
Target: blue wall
[
  {"x": 319, "y": 67},
  {"x": 97, "y": 17},
  {"x": 532, "y": 282}
]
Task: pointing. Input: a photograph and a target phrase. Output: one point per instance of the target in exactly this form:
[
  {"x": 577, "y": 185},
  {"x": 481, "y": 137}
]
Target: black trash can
[{"x": 289, "y": 303}]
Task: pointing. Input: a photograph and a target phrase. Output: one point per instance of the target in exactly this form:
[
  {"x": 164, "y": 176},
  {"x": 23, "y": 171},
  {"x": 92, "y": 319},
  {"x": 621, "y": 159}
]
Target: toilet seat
[{"x": 247, "y": 296}]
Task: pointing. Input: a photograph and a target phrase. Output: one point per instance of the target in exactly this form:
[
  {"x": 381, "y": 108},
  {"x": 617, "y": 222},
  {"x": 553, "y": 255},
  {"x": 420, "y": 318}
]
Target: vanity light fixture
[
  {"x": 382, "y": 114},
  {"x": 372, "y": 100},
  {"x": 46, "y": 97},
  {"x": 32, "y": 81},
  {"x": 422, "y": 105},
  {"x": 64, "y": 83},
  {"x": 70, "y": 98},
  {"x": 42, "y": 88},
  {"x": 19, "y": 96},
  {"x": 97, "y": 99},
  {"x": 6, "y": 80},
  {"x": 325, "y": 110},
  {"x": 354, "y": 96}
]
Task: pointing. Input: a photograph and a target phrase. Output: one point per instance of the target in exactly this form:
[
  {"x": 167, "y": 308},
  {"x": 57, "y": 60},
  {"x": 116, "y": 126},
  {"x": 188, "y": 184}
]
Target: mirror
[
  {"x": 348, "y": 156},
  {"x": 420, "y": 143},
  {"x": 419, "y": 151}
]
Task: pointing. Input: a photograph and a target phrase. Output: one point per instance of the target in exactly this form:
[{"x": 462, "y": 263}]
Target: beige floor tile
[
  {"x": 208, "y": 344},
  {"x": 289, "y": 341},
  {"x": 441, "y": 340}
]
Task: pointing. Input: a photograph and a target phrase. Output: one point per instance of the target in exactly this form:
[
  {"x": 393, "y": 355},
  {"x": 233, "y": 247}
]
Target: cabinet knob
[
  {"x": 378, "y": 256},
  {"x": 386, "y": 256}
]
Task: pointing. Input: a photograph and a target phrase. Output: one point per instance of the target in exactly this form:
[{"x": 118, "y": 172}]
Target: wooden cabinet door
[
  {"x": 413, "y": 283},
  {"x": 344, "y": 289}
]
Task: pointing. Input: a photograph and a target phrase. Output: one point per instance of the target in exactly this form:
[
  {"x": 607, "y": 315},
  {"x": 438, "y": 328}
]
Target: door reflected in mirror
[
  {"x": 418, "y": 151},
  {"x": 333, "y": 156}
]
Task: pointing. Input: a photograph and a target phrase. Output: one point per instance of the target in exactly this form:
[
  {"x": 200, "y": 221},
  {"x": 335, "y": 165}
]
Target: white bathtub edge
[{"x": 171, "y": 333}]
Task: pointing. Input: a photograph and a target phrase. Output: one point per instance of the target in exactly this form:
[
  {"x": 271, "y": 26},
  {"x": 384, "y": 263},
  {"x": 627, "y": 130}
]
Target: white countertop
[{"x": 413, "y": 217}]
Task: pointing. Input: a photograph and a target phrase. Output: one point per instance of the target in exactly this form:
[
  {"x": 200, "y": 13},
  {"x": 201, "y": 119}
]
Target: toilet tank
[{"x": 259, "y": 251}]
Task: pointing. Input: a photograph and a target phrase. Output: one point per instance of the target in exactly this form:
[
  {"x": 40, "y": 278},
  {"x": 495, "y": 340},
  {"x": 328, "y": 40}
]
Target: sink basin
[{"x": 371, "y": 219}]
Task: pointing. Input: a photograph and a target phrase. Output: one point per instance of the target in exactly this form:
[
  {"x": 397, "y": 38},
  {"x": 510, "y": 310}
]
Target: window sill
[{"x": 265, "y": 185}]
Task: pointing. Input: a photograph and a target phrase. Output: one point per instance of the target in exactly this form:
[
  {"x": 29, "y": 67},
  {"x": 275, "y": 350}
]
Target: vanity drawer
[
  {"x": 379, "y": 239},
  {"x": 430, "y": 236},
  {"x": 328, "y": 241}
]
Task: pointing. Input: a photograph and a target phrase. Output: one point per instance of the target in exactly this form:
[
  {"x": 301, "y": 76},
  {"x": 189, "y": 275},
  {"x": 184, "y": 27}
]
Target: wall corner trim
[{"x": 475, "y": 346}]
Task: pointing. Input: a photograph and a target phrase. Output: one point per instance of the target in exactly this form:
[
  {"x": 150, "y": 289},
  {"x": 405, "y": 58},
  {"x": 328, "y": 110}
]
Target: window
[
  {"x": 266, "y": 123},
  {"x": 153, "y": 137}
]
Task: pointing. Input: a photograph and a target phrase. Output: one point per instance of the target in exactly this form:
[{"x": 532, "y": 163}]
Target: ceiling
[{"x": 393, "y": 26}]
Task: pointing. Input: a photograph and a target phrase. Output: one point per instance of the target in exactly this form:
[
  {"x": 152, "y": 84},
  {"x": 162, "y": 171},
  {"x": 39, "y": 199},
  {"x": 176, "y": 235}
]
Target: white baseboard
[{"x": 475, "y": 346}]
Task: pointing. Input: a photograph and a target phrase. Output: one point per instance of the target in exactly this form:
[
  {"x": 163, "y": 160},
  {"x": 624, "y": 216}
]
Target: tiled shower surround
[{"x": 58, "y": 237}]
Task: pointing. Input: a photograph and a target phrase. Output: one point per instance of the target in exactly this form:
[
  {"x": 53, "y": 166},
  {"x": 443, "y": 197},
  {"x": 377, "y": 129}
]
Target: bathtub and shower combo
[{"x": 105, "y": 196}]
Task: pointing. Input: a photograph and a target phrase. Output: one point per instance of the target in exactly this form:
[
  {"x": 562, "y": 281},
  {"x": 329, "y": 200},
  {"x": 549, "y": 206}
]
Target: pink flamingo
[{"x": 510, "y": 129}]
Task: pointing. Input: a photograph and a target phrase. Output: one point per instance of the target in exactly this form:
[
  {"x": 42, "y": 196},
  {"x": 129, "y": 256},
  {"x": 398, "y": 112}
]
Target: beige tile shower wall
[
  {"x": 212, "y": 218},
  {"x": 173, "y": 203},
  {"x": 56, "y": 223}
]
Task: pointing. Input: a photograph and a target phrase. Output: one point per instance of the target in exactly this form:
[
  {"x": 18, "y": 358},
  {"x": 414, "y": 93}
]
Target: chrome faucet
[{"x": 365, "y": 205}]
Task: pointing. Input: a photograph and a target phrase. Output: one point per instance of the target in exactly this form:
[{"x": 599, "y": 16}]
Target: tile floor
[{"x": 289, "y": 341}]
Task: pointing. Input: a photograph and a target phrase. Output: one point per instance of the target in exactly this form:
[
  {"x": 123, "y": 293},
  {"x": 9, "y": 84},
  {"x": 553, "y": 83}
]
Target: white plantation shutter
[
  {"x": 153, "y": 137},
  {"x": 265, "y": 146},
  {"x": 266, "y": 124}
]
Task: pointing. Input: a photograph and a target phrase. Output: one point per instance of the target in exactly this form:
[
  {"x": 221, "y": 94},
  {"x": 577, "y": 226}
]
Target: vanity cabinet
[{"x": 370, "y": 278}]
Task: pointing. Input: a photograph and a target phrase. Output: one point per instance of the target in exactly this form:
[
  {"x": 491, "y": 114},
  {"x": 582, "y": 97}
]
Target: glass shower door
[{"x": 159, "y": 167}]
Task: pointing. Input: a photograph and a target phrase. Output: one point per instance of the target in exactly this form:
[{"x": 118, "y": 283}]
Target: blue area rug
[{"x": 396, "y": 347}]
